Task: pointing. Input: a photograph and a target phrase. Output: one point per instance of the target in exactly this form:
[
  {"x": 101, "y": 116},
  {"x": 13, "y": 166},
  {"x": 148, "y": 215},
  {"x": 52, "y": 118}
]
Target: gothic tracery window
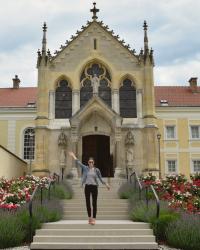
[
  {"x": 29, "y": 144},
  {"x": 127, "y": 96},
  {"x": 104, "y": 90},
  {"x": 63, "y": 100}
]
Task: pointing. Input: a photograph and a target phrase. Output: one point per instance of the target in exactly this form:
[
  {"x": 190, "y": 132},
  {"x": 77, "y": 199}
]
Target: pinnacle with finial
[
  {"x": 94, "y": 10},
  {"x": 44, "y": 40},
  {"x": 145, "y": 26},
  {"x": 44, "y": 27}
]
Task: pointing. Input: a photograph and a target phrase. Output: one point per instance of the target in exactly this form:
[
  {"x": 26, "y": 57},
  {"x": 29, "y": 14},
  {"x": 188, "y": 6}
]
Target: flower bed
[
  {"x": 177, "y": 190},
  {"x": 16, "y": 192}
]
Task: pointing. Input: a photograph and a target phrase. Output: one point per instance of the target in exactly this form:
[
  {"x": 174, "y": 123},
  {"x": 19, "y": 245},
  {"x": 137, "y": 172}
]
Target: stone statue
[
  {"x": 95, "y": 84},
  {"x": 62, "y": 143},
  {"x": 62, "y": 139},
  {"x": 129, "y": 140},
  {"x": 129, "y": 156}
]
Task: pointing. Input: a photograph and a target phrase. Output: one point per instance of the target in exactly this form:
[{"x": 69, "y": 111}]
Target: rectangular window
[
  {"x": 196, "y": 165},
  {"x": 170, "y": 132},
  {"x": 171, "y": 166},
  {"x": 195, "y": 132},
  {"x": 95, "y": 43}
]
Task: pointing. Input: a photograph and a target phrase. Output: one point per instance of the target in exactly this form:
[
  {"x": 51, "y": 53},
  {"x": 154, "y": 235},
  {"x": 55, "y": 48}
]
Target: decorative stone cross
[{"x": 94, "y": 10}]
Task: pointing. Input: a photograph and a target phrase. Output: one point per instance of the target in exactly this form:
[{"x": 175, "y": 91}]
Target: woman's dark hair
[{"x": 91, "y": 158}]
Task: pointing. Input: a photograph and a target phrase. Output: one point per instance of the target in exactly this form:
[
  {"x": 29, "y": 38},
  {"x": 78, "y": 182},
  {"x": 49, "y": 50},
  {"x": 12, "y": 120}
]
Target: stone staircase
[{"x": 113, "y": 229}]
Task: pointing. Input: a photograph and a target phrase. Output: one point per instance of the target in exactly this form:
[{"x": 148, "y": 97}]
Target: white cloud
[
  {"x": 177, "y": 74},
  {"x": 173, "y": 33}
]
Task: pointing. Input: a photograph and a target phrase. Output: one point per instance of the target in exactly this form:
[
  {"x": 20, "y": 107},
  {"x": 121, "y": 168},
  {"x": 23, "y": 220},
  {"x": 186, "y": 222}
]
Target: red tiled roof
[
  {"x": 177, "y": 96},
  {"x": 10, "y": 97},
  {"x": 174, "y": 95}
]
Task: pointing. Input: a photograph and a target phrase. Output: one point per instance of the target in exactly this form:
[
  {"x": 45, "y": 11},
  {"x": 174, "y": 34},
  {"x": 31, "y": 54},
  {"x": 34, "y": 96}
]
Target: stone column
[
  {"x": 51, "y": 104},
  {"x": 75, "y": 101},
  {"x": 139, "y": 103},
  {"x": 118, "y": 168},
  {"x": 115, "y": 100}
]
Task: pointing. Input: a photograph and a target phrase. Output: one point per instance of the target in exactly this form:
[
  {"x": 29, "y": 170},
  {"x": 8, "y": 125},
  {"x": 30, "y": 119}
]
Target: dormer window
[{"x": 163, "y": 102}]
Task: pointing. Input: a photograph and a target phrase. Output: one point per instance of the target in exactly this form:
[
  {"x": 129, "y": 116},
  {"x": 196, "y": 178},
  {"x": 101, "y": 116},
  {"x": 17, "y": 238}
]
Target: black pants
[{"x": 91, "y": 189}]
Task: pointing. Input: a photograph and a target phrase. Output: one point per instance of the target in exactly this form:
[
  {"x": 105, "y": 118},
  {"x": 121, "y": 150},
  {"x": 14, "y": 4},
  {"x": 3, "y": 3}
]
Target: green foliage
[
  {"x": 45, "y": 214},
  {"x": 12, "y": 232},
  {"x": 125, "y": 191},
  {"x": 184, "y": 233},
  {"x": 160, "y": 224},
  {"x": 60, "y": 192}
]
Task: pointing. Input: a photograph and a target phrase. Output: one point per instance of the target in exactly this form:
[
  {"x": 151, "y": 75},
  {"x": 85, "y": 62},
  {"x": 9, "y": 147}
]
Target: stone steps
[
  {"x": 113, "y": 229},
  {"x": 93, "y": 231},
  {"x": 121, "y": 234}
]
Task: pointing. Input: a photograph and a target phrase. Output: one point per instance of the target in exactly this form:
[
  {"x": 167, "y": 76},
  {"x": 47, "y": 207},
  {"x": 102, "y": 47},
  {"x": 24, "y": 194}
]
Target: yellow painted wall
[
  {"x": 3, "y": 133},
  {"x": 183, "y": 133},
  {"x": 11, "y": 166}
]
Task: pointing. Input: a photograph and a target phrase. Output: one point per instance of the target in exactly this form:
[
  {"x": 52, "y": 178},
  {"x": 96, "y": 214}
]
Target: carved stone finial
[
  {"x": 94, "y": 11},
  {"x": 129, "y": 140},
  {"x": 145, "y": 26}
]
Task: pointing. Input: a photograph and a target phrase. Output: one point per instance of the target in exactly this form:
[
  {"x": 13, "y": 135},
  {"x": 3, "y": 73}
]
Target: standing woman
[{"x": 90, "y": 176}]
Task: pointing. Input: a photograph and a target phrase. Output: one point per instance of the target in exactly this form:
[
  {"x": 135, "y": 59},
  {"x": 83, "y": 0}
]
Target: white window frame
[
  {"x": 33, "y": 147},
  {"x": 193, "y": 160},
  {"x": 167, "y": 167},
  {"x": 175, "y": 133},
  {"x": 197, "y": 138}
]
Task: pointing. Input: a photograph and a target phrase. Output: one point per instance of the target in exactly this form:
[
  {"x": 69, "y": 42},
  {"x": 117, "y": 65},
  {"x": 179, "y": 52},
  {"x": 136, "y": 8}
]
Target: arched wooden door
[{"x": 98, "y": 147}]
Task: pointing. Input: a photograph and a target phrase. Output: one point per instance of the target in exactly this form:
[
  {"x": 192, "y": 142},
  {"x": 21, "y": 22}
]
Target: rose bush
[
  {"x": 16, "y": 192},
  {"x": 177, "y": 190}
]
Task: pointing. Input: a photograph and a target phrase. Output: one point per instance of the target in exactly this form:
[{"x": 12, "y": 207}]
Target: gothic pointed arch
[
  {"x": 63, "y": 99},
  {"x": 127, "y": 97},
  {"x": 91, "y": 70}
]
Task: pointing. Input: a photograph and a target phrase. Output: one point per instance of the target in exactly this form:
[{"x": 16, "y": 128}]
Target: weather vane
[{"x": 94, "y": 10}]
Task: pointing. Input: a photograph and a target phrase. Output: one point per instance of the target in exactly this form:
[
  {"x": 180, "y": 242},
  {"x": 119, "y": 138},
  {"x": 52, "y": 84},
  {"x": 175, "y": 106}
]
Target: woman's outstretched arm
[{"x": 76, "y": 159}]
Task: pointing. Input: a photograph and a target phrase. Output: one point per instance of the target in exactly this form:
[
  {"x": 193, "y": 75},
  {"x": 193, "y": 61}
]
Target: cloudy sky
[{"x": 173, "y": 33}]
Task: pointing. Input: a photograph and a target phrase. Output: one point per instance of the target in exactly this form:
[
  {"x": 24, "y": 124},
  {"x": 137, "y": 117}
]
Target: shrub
[
  {"x": 125, "y": 191},
  {"x": 184, "y": 233},
  {"x": 12, "y": 232},
  {"x": 160, "y": 224}
]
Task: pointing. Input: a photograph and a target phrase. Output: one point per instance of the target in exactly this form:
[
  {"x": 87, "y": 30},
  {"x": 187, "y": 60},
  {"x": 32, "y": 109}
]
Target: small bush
[
  {"x": 47, "y": 215},
  {"x": 61, "y": 192},
  {"x": 184, "y": 233},
  {"x": 160, "y": 224},
  {"x": 12, "y": 232},
  {"x": 125, "y": 191}
]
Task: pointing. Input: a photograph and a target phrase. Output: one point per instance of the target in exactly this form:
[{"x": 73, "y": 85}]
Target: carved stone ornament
[
  {"x": 129, "y": 140},
  {"x": 62, "y": 139}
]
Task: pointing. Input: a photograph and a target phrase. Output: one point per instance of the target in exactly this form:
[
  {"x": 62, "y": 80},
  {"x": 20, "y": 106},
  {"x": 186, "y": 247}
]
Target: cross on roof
[{"x": 94, "y": 10}]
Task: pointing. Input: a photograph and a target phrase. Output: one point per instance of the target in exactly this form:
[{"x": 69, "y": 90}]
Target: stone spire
[
  {"x": 146, "y": 46},
  {"x": 44, "y": 40},
  {"x": 94, "y": 10}
]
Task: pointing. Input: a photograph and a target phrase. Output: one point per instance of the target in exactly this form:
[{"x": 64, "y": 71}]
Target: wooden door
[{"x": 98, "y": 147}]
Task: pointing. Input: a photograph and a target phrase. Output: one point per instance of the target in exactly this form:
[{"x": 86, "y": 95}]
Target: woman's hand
[
  {"x": 72, "y": 155},
  {"x": 108, "y": 186}
]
